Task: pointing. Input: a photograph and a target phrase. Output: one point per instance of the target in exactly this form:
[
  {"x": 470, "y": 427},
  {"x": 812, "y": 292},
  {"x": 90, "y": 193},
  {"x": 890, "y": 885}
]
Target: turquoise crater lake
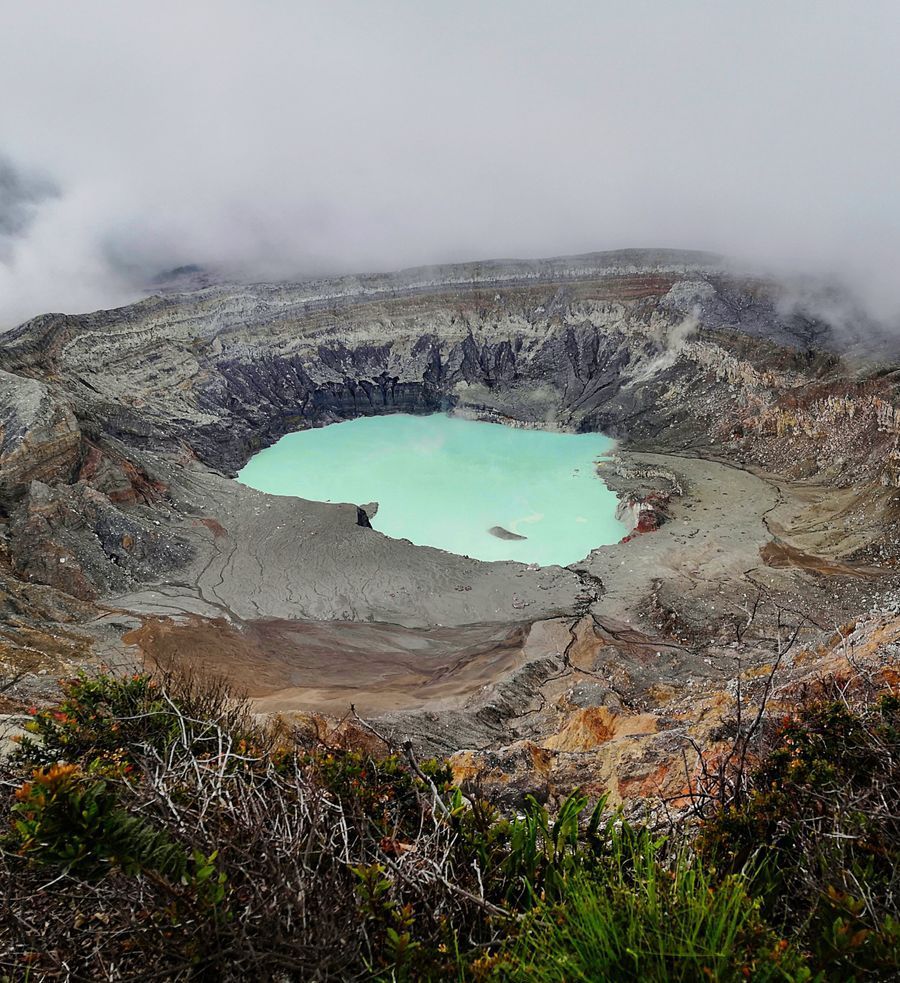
[{"x": 447, "y": 482}]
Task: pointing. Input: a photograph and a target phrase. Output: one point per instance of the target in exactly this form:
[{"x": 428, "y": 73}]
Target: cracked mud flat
[
  {"x": 488, "y": 678},
  {"x": 763, "y": 447},
  {"x": 265, "y": 558}
]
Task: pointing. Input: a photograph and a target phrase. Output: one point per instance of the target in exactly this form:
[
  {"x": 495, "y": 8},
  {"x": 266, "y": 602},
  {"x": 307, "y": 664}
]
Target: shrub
[
  {"x": 104, "y": 716},
  {"x": 157, "y": 832},
  {"x": 187, "y": 845},
  {"x": 67, "y": 817},
  {"x": 822, "y": 826},
  {"x": 97, "y": 716}
]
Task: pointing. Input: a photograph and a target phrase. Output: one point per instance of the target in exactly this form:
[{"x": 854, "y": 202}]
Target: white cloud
[{"x": 288, "y": 138}]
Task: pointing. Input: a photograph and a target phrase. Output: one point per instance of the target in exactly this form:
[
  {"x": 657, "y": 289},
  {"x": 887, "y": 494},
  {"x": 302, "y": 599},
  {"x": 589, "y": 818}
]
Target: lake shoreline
[{"x": 474, "y": 488}]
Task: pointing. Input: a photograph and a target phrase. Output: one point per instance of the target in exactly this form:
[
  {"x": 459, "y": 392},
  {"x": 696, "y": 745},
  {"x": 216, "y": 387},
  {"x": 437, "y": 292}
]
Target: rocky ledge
[{"x": 758, "y": 457}]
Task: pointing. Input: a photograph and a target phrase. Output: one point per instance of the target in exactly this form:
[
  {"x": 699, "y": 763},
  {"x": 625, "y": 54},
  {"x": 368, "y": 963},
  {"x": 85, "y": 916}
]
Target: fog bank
[{"x": 285, "y": 139}]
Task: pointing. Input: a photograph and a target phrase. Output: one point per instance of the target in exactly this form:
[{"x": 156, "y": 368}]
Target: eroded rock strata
[{"x": 758, "y": 460}]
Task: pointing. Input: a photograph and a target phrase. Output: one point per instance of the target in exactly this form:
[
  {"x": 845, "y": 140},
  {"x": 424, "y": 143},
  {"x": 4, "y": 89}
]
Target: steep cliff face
[
  {"x": 673, "y": 354},
  {"x": 39, "y": 435}
]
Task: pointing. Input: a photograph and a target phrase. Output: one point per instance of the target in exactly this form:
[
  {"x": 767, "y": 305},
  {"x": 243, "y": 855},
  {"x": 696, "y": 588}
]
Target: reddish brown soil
[
  {"x": 214, "y": 526},
  {"x": 780, "y": 555},
  {"x": 326, "y": 666}
]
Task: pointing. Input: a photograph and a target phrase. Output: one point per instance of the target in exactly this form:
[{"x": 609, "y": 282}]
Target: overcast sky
[{"x": 291, "y": 138}]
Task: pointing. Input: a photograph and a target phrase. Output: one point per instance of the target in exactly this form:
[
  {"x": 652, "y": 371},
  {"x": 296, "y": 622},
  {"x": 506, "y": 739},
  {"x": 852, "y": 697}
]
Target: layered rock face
[
  {"x": 119, "y": 431},
  {"x": 39, "y": 435},
  {"x": 624, "y": 342}
]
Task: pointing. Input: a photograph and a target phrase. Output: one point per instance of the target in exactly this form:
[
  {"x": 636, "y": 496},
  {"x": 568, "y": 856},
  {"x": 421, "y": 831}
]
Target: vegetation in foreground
[{"x": 152, "y": 829}]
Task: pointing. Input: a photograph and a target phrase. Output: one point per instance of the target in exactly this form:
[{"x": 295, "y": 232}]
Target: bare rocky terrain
[{"x": 758, "y": 460}]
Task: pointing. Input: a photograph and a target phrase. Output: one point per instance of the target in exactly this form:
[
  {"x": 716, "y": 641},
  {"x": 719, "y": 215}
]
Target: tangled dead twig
[
  {"x": 719, "y": 782},
  {"x": 263, "y": 810}
]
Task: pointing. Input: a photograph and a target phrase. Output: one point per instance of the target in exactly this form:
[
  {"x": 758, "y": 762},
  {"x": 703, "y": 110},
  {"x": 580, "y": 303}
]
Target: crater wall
[{"x": 119, "y": 431}]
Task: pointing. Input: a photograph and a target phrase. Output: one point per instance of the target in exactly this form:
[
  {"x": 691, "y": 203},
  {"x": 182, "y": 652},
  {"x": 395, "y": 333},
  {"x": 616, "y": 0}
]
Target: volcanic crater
[{"x": 757, "y": 465}]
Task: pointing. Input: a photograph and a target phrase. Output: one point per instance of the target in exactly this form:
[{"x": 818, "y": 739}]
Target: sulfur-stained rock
[
  {"x": 587, "y": 729},
  {"x": 511, "y": 773}
]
